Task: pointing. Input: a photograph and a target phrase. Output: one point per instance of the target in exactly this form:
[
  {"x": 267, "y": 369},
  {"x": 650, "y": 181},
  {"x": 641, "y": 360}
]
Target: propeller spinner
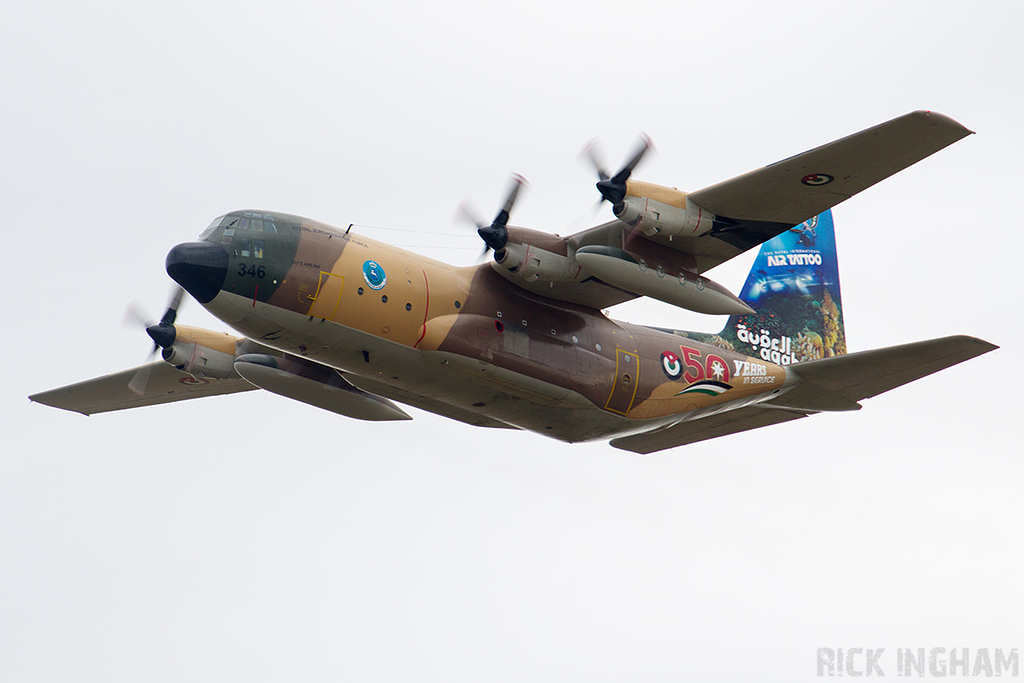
[
  {"x": 613, "y": 188},
  {"x": 495, "y": 235}
]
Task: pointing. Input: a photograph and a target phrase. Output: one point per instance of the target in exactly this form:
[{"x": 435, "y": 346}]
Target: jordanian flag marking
[{"x": 708, "y": 386}]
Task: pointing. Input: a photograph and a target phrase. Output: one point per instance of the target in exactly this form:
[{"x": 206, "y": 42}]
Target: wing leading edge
[{"x": 111, "y": 392}]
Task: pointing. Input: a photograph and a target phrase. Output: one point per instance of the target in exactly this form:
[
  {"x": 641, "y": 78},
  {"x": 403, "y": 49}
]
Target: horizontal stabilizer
[
  {"x": 702, "y": 429},
  {"x": 839, "y": 383},
  {"x": 828, "y": 384},
  {"x": 111, "y": 392}
]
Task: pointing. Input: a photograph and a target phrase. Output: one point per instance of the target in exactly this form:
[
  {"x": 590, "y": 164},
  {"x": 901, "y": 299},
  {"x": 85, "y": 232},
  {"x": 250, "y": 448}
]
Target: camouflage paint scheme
[
  {"x": 349, "y": 324},
  {"x": 462, "y": 336}
]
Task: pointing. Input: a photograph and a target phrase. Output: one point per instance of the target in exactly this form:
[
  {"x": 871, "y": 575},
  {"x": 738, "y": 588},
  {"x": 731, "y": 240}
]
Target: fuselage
[{"x": 460, "y": 341}]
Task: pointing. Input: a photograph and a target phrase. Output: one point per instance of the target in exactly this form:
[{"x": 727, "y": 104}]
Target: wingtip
[
  {"x": 941, "y": 119},
  {"x": 967, "y": 339},
  {"x": 989, "y": 346}
]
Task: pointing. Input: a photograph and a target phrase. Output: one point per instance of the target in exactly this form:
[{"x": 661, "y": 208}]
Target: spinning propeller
[
  {"x": 162, "y": 334},
  {"x": 495, "y": 235},
  {"x": 613, "y": 188}
]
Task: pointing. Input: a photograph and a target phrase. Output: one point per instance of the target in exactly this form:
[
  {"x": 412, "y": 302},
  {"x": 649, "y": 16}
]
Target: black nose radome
[{"x": 199, "y": 267}]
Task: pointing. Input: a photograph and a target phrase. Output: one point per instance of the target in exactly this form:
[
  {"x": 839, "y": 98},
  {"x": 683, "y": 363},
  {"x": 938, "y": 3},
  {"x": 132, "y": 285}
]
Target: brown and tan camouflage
[
  {"x": 463, "y": 335},
  {"x": 346, "y": 323}
]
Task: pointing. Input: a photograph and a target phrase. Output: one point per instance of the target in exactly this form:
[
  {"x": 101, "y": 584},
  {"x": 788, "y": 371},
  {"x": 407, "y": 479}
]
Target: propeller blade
[
  {"x": 134, "y": 316},
  {"x": 162, "y": 334},
  {"x": 501, "y": 220},
  {"x": 634, "y": 231},
  {"x": 591, "y": 153},
  {"x": 623, "y": 175},
  {"x": 138, "y": 384},
  {"x": 466, "y": 213},
  {"x": 494, "y": 235},
  {"x": 172, "y": 309},
  {"x": 585, "y": 219}
]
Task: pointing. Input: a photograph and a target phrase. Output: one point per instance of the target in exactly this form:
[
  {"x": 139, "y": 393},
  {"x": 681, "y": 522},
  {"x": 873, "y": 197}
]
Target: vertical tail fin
[{"x": 794, "y": 288}]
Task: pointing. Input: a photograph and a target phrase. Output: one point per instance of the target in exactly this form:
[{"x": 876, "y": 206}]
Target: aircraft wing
[
  {"x": 794, "y": 189},
  {"x": 757, "y": 206},
  {"x": 829, "y": 384},
  {"x": 761, "y": 204},
  {"x": 111, "y": 392}
]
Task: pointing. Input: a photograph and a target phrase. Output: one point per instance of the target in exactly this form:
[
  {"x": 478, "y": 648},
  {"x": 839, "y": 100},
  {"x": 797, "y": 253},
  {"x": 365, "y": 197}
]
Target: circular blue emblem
[{"x": 374, "y": 275}]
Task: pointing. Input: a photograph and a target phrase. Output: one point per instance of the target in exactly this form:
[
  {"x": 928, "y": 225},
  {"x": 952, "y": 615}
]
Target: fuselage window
[
  {"x": 246, "y": 248},
  {"x": 257, "y": 248}
]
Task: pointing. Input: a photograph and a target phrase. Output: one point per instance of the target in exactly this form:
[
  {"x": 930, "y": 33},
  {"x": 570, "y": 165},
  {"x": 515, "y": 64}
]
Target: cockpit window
[
  {"x": 259, "y": 222},
  {"x": 213, "y": 226},
  {"x": 251, "y": 221}
]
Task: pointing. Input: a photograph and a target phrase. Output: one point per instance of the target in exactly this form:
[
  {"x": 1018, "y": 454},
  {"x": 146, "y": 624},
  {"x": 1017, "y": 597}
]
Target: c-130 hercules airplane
[{"x": 353, "y": 326}]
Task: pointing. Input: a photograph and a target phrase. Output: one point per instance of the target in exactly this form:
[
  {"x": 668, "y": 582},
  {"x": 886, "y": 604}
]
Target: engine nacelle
[
  {"x": 531, "y": 263},
  {"x": 653, "y": 217},
  {"x": 199, "y": 361},
  {"x": 202, "y": 353}
]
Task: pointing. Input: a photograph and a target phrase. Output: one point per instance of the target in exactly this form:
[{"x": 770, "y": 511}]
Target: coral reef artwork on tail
[{"x": 794, "y": 288}]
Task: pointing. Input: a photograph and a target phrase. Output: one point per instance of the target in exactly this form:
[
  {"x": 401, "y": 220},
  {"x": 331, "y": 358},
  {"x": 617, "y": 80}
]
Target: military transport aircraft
[{"x": 354, "y": 326}]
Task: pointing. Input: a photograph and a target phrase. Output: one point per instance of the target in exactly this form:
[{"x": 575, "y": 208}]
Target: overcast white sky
[{"x": 252, "y": 538}]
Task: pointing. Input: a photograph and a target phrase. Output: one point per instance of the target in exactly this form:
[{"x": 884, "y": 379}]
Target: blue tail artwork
[{"x": 794, "y": 288}]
